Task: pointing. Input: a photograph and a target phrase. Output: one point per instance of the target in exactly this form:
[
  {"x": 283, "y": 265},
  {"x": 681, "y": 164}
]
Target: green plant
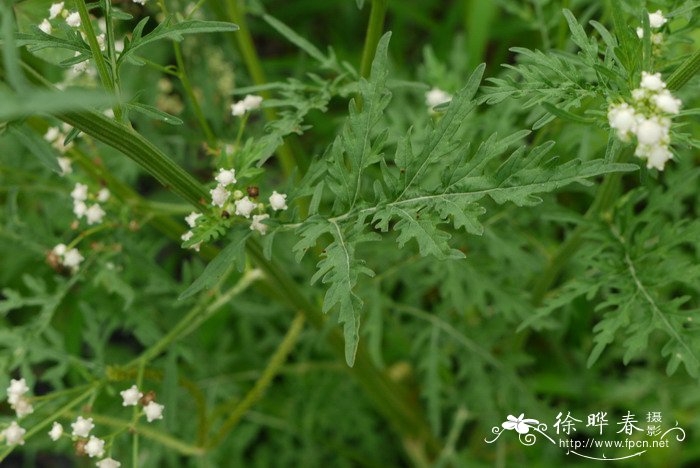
[{"x": 455, "y": 240}]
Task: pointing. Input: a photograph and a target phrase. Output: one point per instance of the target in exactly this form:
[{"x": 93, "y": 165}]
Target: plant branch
[{"x": 375, "y": 28}]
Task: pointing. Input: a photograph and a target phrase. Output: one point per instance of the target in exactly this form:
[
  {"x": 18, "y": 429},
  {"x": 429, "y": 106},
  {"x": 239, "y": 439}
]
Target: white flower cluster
[
  {"x": 132, "y": 396},
  {"x": 56, "y": 137},
  {"x": 55, "y": 11},
  {"x": 93, "y": 446},
  {"x": 656, "y": 21},
  {"x": 226, "y": 197},
  {"x": 94, "y": 213},
  {"x": 17, "y": 399},
  {"x": 648, "y": 118},
  {"x": 247, "y": 104},
  {"x": 69, "y": 258},
  {"x": 435, "y": 97}
]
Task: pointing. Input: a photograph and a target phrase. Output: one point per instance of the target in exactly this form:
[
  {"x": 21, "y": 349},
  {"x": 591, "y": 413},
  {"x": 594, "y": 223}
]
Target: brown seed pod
[
  {"x": 253, "y": 191},
  {"x": 225, "y": 214},
  {"x": 148, "y": 397},
  {"x": 80, "y": 447}
]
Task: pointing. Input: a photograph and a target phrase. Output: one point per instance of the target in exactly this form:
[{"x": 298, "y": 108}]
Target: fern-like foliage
[
  {"x": 643, "y": 276},
  {"x": 421, "y": 194}
]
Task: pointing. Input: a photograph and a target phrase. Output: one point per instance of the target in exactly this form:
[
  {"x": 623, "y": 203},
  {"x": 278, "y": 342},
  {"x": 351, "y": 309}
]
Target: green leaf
[
  {"x": 37, "y": 146},
  {"x": 233, "y": 254},
  {"x": 154, "y": 113},
  {"x": 299, "y": 41},
  {"x": 40, "y": 101},
  {"x": 175, "y": 32}
]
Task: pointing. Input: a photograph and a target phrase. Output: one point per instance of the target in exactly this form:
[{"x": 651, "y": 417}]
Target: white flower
[
  {"x": 657, "y": 38},
  {"x": 65, "y": 165},
  {"x": 435, "y": 97},
  {"x": 79, "y": 208},
  {"x": 252, "y": 102},
  {"x": 82, "y": 427},
  {"x": 657, "y": 157},
  {"x": 657, "y": 19},
  {"x": 56, "y": 431},
  {"x": 257, "y": 224},
  {"x": 73, "y": 20},
  {"x": 622, "y": 118},
  {"x": 119, "y": 45},
  {"x": 244, "y": 207},
  {"x": 103, "y": 195},
  {"x": 14, "y": 434},
  {"x": 521, "y": 425},
  {"x": 153, "y": 411},
  {"x": 81, "y": 67},
  {"x": 80, "y": 192},
  {"x": 55, "y": 10},
  {"x": 101, "y": 41},
  {"x": 667, "y": 103},
  {"x": 191, "y": 219},
  {"x": 131, "y": 396},
  {"x": 16, "y": 389},
  {"x": 187, "y": 236},
  {"x": 652, "y": 82},
  {"x": 72, "y": 259},
  {"x": 22, "y": 407},
  {"x": 652, "y": 131},
  {"x": 238, "y": 109},
  {"x": 95, "y": 447},
  {"x": 278, "y": 201},
  {"x": 219, "y": 195},
  {"x": 108, "y": 462},
  {"x": 45, "y": 27},
  {"x": 226, "y": 177},
  {"x": 640, "y": 33},
  {"x": 51, "y": 134},
  {"x": 59, "y": 250},
  {"x": 140, "y": 2},
  {"x": 639, "y": 94},
  {"x": 94, "y": 214}
]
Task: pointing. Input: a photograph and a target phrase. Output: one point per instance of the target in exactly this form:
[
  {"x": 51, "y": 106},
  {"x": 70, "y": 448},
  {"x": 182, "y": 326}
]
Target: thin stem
[
  {"x": 250, "y": 56},
  {"x": 100, "y": 64},
  {"x": 111, "y": 51},
  {"x": 149, "y": 433},
  {"x": 375, "y": 28},
  {"x": 187, "y": 86},
  {"x": 602, "y": 201},
  {"x": 271, "y": 370}
]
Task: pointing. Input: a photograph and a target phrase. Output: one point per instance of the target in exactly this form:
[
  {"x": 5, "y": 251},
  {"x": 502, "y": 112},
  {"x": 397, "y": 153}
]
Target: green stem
[
  {"x": 684, "y": 72},
  {"x": 168, "y": 441},
  {"x": 102, "y": 70},
  {"x": 375, "y": 28},
  {"x": 604, "y": 198},
  {"x": 250, "y": 56},
  {"x": 196, "y": 316},
  {"x": 187, "y": 86},
  {"x": 271, "y": 370},
  {"x": 109, "y": 26}
]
